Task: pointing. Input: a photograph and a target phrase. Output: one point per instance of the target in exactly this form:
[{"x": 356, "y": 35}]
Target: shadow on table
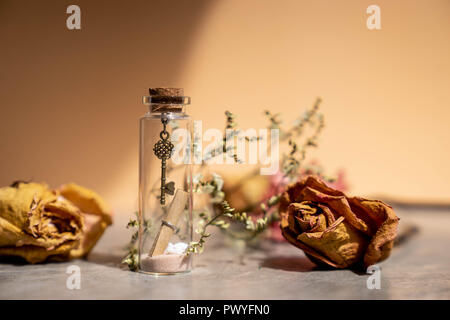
[
  {"x": 109, "y": 259},
  {"x": 299, "y": 264},
  {"x": 106, "y": 259},
  {"x": 17, "y": 261},
  {"x": 289, "y": 263}
]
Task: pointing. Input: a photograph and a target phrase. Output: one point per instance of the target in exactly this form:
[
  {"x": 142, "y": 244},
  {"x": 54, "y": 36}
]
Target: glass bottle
[{"x": 165, "y": 183}]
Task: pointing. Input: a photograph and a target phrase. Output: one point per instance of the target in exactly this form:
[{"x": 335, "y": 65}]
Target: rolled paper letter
[{"x": 169, "y": 222}]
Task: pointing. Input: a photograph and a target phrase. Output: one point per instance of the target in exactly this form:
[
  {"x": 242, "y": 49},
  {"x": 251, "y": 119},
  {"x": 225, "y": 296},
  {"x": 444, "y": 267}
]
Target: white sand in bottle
[{"x": 173, "y": 260}]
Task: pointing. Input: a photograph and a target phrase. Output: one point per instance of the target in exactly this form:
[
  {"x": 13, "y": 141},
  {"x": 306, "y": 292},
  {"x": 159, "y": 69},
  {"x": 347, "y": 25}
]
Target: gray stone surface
[{"x": 419, "y": 269}]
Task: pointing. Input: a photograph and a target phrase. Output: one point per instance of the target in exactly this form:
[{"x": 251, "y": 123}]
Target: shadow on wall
[{"x": 70, "y": 100}]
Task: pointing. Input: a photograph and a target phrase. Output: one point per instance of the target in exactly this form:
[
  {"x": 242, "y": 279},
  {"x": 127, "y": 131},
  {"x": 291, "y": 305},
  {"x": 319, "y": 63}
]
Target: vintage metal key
[{"x": 163, "y": 149}]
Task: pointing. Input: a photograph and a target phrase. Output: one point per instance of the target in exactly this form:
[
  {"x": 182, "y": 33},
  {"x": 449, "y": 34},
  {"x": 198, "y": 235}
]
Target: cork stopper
[
  {"x": 166, "y": 99},
  {"x": 168, "y": 92}
]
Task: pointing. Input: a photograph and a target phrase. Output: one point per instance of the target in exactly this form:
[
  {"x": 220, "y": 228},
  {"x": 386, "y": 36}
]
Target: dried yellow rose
[{"x": 37, "y": 223}]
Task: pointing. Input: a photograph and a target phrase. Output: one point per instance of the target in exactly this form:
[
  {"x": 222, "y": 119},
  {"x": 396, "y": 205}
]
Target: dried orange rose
[{"x": 334, "y": 229}]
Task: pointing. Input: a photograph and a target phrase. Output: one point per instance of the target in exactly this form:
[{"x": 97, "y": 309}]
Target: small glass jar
[{"x": 165, "y": 184}]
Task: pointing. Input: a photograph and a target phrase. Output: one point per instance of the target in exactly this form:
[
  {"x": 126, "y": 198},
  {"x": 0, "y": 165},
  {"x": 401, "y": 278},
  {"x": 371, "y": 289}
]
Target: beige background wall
[{"x": 70, "y": 100}]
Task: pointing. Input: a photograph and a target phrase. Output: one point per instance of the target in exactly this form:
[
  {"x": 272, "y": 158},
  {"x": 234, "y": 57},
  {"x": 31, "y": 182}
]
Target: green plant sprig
[
  {"x": 220, "y": 221},
  {"x": 131, "y": 258},
  {"x": 297, "y": 154}
]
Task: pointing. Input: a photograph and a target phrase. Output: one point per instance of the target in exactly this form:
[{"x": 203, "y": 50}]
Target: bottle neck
[
  {"x": 171, "y": 115},
  {"x": 160, "y": 109}
]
